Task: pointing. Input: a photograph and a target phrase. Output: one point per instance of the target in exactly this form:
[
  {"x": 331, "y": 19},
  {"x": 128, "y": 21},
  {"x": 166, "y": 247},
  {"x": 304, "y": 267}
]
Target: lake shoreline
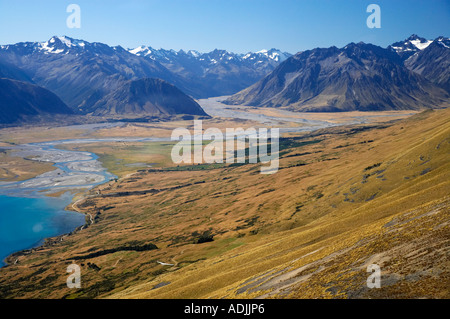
[{"x": 74, "y": 172}]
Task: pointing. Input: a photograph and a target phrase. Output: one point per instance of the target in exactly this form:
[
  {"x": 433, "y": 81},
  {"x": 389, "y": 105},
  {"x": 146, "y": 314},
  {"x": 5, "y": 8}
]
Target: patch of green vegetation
[
  {"x": 95, "y": 290},
  {"x": 222, "y": 246},
  {"x": 198, "y": 167},
  {"x": 295, "y": 142},
  {"x": 184, "y": 263}
]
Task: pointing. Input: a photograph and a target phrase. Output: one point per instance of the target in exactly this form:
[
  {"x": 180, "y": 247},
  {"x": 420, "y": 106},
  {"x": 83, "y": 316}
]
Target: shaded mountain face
[
  {"x": 10, "y": 71},
  {"x": 146, "y": 97},
  {"x": 433, "y": 62},
  {"x": 81, "y": 73},
  {"x": 359, "y": 76},
  {"x": 21, "y": 101}
]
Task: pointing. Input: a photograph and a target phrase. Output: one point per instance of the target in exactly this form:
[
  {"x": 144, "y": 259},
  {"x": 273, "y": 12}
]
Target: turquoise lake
[{"x": 26, "y": 222}]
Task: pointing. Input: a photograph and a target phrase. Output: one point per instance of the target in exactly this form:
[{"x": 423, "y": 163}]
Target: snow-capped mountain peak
[
  {"x": 60, "y": 44},
  {"x": 213, "y": 57},
  {"x": 410, "y": 46},
  {"x": 194, "y": 53},
  {"x": 274, "y": 54},
  {"x": 413, "y": 44}
]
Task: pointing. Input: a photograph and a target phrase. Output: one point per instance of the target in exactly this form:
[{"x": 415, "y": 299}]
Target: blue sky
[{"x": 235, "y": 25}]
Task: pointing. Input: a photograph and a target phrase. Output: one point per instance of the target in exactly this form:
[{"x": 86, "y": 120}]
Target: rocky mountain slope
[
  {"x": 433, "y": 62},
  {"x": 359, "y": 76}
]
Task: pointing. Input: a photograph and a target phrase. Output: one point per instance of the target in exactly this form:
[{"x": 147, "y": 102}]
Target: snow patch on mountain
[
  {"x": 141, "y": 51},
  {"x": 445, "y": 42},
  {"x": 421, "y": 45},
  {"x": 274, "y": 54}
]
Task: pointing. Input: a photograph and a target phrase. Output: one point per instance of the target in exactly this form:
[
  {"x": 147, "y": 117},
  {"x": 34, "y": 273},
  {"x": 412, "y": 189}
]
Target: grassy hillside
[{"x": 343, "y": 198}]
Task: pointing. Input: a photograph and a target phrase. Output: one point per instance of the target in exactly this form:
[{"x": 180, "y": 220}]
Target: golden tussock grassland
[{"x": 343, "y": 198}]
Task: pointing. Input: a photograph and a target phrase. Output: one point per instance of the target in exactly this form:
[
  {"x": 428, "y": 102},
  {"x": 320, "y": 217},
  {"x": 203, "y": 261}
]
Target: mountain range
[
  {"x": 408, "y": 75},
  {"x": 95, "y": 78},
  {"x": 218, "y": 72},
  {"x": 77, "y": 70}
]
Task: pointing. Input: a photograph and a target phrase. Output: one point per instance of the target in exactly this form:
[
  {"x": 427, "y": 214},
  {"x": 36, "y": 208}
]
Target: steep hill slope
[
  {"x": 20, "y": 101},
  {"x": 149, "y": 97}
]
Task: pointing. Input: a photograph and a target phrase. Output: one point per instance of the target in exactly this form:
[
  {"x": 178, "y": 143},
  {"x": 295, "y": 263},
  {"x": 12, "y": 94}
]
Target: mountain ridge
[
  {"x": 361, "y": 76},
  {"x": 82, "y": 73},
  {"x": 76, "y": 69}
]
